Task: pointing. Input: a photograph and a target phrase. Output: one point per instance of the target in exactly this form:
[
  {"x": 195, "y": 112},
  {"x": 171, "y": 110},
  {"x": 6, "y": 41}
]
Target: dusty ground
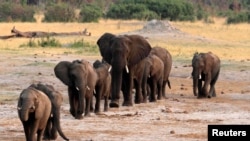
[{"x": 179, "y": 117}]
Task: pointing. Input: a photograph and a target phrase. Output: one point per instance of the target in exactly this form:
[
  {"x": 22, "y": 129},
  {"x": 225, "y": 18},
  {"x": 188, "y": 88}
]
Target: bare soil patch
[{"x": 179, "y": 117}]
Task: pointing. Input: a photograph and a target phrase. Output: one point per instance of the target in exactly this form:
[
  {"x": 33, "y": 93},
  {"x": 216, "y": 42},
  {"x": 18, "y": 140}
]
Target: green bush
[
  {"x": 90, "y": 13},
  {"x": 238, "y": 18},
  {"x": 59, "y": 13},
  {"x": 49, "y": 42},
  {"x": 139, "y": 9},
  {"x": 11, "y": 12},
  {"x": 81, "y": 47}
]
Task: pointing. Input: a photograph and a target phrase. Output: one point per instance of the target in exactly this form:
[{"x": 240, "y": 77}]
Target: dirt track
[{"x": 179, "y": 117}]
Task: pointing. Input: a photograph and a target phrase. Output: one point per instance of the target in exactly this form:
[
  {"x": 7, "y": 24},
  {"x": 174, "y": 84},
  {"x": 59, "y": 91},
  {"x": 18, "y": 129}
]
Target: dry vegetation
[
  {"x": 180, "y": 117},
  {"x": 228, "y": 41}
]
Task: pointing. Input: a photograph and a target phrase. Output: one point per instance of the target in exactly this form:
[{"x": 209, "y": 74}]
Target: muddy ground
[{"x": 179, "y": 117}]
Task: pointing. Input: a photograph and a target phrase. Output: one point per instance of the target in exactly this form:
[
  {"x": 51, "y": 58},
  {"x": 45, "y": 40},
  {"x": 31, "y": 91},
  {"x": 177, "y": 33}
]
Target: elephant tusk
[
  {"x": 19, "y": 108},
  {"x": 88, "y": 87},
  {"x": 199, "y": 76},
  {"x": 33, "y": 107},
  {"x": 109, "y": 68},
  {"x": 94, "y": 91},
  {"x": 77, "y": 88},
  {"x": 127, "y": 69}
]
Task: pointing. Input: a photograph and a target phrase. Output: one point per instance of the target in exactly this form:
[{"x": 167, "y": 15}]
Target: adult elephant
[
  {"x": 34, "y": 109},
  {"x": 53, "y": 124},
  {"x": 206, "y": 67},
  {"x": 81, "y": 78},
  {"x": 166, "y": 58},
  {"x": 122, "y": 53},
  {"x": 103, "y": 84}
]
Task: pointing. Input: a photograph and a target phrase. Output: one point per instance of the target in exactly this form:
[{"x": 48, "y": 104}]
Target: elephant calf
[
  {"x": 103, "y": 85},
  {"x": 206, "y": 67},
  {"x": 56, "y": 98},
  {"x": 34, "y": 109}
]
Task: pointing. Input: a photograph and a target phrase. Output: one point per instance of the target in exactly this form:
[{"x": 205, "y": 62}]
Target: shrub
[
  {"x": 84, "y": 46},
  {"x": 165, "y": 9},
  {"x": 16, "y": 12},
  {"x": 59, "y": 13},
  {"x": 238, "y": 18},
  {"x": 49, "y": 42},
  {"x": 90, "y": 13}
]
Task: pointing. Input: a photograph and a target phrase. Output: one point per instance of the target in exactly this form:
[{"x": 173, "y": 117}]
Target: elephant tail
[
  {"x": 169, "y": 85},
  {"x": 57, "y": 123}
]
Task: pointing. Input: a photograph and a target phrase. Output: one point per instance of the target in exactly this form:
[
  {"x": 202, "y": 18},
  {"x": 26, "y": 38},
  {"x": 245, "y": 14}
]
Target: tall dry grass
[{"x": 228, "y": 41}]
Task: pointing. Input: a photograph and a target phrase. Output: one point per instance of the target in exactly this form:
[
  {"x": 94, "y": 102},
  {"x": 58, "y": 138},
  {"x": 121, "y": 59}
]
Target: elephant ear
[
  {"x": 104, "y": 44},
  {"x": 139, "y": 48},
  {"x": 62, "y": 72}
]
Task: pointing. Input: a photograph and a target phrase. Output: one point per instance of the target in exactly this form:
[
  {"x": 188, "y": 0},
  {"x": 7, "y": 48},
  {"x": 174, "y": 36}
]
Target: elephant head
[
  {"x": 28, "y": 103},
  {"x": 80, "y": 78},
  {"x": 122, "y": 52}
]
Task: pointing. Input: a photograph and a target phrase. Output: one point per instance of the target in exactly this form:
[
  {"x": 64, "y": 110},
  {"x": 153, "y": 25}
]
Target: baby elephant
[
  {"x": 34, "y": 110},
  {"x": 103, "y": 84},
  {"x": 53, "y": 124}
]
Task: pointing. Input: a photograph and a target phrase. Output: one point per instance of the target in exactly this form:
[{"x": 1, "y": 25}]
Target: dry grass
[{"x": 228, "y": 41}]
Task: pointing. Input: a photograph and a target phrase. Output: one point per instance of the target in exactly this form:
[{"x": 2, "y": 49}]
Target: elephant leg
[
  {"x": 159, "y": 90},
  {"x": 138, "y": 94},
  {"x": 106, "y": 98},
  {"x": 206, "y": 85},
  {"x": 153, "y": 89},
  {"x": 53, "y": 132},
  {"x": 47, "y": 133},
  {"x": 164, "y": 88},
  {"x": 127, "y": 85},
  {"x": 144, "y": 92},
  {"x": 98, "y": 100},
  {"x": 40, "y": 134},
  {"x": 212, "y": 85},
  {"x": 87, "y": 107},
  {"x": 34, "y": 131},
  {"x": 212, "y": 92}
]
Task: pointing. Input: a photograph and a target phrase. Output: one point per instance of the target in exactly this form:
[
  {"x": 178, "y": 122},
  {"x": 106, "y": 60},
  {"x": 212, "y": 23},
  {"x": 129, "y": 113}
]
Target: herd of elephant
[{"x": 128, "y": 62}]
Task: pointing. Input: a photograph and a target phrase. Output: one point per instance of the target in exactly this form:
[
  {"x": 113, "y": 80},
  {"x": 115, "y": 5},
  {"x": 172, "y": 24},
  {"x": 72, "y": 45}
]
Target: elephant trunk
[
  {"x": 116, "y": 82},
  {"x": 57, "y": 124},
  {"x": 23, "y": 114},
  {"x": 196, "y": 75},
  {"x": 195, "y": 86}
]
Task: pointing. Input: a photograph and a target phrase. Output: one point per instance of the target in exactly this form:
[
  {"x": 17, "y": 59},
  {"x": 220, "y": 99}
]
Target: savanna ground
[{"x": 179, "y": 117}]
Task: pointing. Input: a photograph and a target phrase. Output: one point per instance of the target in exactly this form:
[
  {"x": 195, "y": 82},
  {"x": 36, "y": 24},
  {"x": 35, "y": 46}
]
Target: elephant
[
  {"x": 81, "y": 78},
  {"x": 166, "y": 58},
  {"x": 34, "y": 110},
  {"x": 56, "y": 98},
  {"x": 148, "y": 71},
  {"x": 103, "y": 85},
  {"x": 122, "y": 52},
  {"x": 206, "y": 67}
]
